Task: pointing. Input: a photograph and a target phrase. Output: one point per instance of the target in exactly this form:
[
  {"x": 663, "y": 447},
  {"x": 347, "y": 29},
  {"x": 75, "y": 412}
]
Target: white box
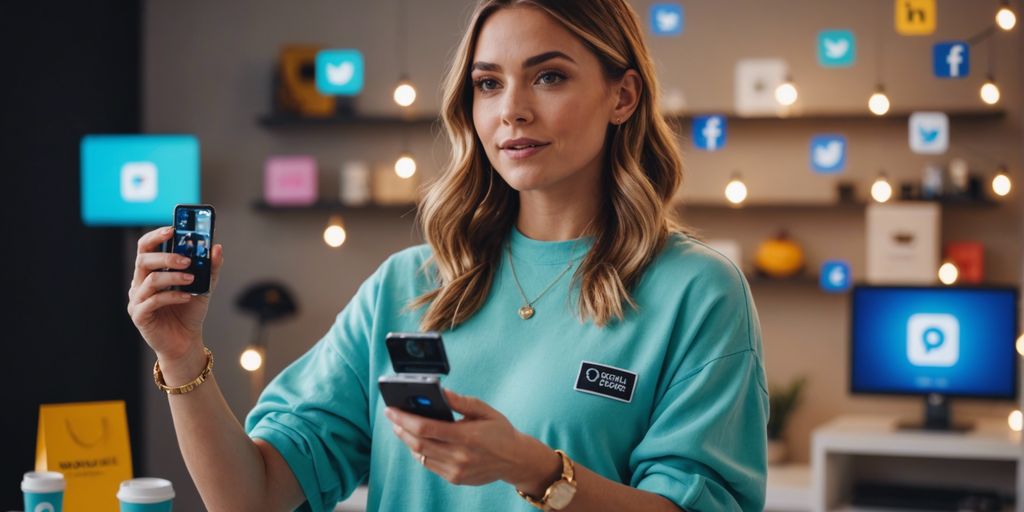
[{"x": 903, "y": 243}]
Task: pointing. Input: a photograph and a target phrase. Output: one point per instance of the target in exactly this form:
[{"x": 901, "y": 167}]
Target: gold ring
[{"x": 423, "y": 460}]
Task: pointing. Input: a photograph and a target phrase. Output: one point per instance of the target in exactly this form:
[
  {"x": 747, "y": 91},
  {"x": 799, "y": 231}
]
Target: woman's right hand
[{"x": 170, "y": 321}]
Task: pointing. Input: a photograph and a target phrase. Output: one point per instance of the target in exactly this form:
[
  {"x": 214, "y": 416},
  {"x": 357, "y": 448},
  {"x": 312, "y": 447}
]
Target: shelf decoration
[
  {"x": 710, "y": 132},
  {"x": 290, "y": 180},
  {"x": 928, "y": 132},
  {"x": 339, "y": 72},
  {"x": 903, "y": 242},
  {"x": 835, "y": 276},
  {"x": 354, "y": 180},
  {"x": 969, "y": 258},
  {"x": 295, "y": 91},
  {"x": 915, "y": 17},
  {"x": 779, "y": 257},
  {"x": 828, "y": 153},
  {"x": 837, "y": 48}
]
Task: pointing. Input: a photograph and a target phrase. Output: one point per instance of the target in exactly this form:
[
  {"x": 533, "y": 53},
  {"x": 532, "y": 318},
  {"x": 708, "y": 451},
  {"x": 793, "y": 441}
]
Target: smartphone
[
  {"x": 416, "y": 393},
  {"x": 417, "y": 352},
  {"x": 193, "y": 238}
]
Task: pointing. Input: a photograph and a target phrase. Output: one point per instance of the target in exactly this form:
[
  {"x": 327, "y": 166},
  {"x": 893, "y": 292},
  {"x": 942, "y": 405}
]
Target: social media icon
[
  {"x": 138, "y": 182},
  {"x": 828, "y": 153},
  {"x": 915, "y": 17},
  {"x": 835, "y": 276},
  {"x": 667, "y": 19},
  {"x": 933, "y": 339},
  {"x": 339, "y": 72},
  {"x": 928, "y": 132},
  {"x": 709, "y": 132},
  {"x": 836, "y": 48},
  {"x": 951, "y": 59}
]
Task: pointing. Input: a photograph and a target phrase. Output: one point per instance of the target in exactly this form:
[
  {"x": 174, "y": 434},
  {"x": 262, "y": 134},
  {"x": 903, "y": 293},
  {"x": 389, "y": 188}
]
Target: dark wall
[{"x": 69, "y": 69}]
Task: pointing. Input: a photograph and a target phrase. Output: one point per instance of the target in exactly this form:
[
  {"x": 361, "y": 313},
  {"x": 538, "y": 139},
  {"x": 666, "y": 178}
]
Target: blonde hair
[{"x": 467, "y": 213}]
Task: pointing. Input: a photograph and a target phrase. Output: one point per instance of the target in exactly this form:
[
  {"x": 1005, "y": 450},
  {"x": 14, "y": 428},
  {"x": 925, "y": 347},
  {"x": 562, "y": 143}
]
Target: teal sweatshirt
[{"x": 671, "y": 400}]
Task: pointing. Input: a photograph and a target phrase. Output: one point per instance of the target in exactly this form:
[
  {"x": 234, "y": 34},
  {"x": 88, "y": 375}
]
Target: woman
[{"x": 576, "y": 314}]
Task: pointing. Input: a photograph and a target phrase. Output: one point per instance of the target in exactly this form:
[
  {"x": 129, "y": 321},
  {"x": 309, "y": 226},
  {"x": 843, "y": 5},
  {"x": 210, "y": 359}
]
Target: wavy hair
[{"x": 467, "y": 213}]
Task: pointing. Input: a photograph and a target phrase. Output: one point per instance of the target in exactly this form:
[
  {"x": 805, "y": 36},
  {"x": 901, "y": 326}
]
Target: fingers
[
  {"x": 157, "y": 282},
  {"x": 427, "y": 447},
  {"x": 217, "y": 256},
  {"x": 147, "y": 262},
  {"x": 423, "y": 427},
  {"x": 151, "y": 241},
  {"x": 140, "y": 312}
]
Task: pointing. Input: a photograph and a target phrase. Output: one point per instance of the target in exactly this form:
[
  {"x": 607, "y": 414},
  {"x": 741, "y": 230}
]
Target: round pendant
[{"x": 526, "y": 312}]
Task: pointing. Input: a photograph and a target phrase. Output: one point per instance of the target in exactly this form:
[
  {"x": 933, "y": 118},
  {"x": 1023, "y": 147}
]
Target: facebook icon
[
  {"x": 709, "y": 132},
  {"x": 951, "y": 59}
]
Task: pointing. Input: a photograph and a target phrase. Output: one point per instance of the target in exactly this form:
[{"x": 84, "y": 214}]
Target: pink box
[{"x": 290, "y": 180}]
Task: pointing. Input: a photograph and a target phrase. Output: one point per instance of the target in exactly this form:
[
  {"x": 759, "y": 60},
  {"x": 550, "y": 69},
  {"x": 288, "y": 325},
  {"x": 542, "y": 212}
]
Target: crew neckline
[{"x": 544, "y": 252}]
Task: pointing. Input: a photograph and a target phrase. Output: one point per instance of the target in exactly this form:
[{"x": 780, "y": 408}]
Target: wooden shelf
[{"x": 838, "y": 205}]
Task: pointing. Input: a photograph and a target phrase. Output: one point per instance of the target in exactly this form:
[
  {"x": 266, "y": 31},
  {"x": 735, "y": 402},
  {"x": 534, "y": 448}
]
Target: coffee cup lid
[
  {"x": 145, "y": 490},
  {"x": 42, "y": 481}
]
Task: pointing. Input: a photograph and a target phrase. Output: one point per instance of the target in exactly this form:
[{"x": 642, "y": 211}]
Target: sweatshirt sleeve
[
  {"x": 705, "y": 448},
  {"x": 315, "y": 412}
]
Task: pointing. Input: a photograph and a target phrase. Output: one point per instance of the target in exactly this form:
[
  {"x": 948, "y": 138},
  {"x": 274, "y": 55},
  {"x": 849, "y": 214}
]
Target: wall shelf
[{"x": 835, "y": 205}]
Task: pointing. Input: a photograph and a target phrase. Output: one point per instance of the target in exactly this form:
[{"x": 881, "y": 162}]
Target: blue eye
[
  {"x": 485, "y": 84},
  {"x": 550, "y": 78}
]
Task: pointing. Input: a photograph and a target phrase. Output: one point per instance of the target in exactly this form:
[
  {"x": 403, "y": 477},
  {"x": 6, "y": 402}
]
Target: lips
[{"x": 522, "y": 147}]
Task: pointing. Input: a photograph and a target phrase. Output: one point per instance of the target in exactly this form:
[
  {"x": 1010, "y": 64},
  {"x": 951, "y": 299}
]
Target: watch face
[{"x": 561, "y": 494}]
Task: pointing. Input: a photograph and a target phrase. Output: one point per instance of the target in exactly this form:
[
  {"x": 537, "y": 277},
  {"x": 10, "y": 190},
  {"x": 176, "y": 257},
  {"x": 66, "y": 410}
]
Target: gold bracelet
[{"x": 158, "y": 377}]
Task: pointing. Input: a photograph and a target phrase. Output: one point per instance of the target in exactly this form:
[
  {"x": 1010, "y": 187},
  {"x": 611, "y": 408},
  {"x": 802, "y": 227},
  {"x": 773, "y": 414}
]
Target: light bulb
[
  {"x": 1005, "y": 18},
  {"x": 1020, "y": 345},
  {"x": 878, "y": 104},
  {"x": 1001, "y": 183},
  {"x": 252, "y": 359},
  {"x": 1015, "y": 420},
  {"x": 405, "y": 166},
  {"x": 736, "y": 190},
  {"x": 405, "y": 93},
  {"x": 990, "y": 92},
  {"x": 948, "y": 273},
  {"x": 881, "y": 190},
  {"x": 334, "y": 234},
  {"x": 786, "y": 93}
]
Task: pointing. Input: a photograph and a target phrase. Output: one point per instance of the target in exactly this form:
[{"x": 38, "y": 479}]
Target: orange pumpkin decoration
[{"x": 779, "y": 257}]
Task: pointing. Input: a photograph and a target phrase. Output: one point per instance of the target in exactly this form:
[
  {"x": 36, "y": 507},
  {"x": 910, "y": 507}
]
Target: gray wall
[{"x": 207, "y": 69}]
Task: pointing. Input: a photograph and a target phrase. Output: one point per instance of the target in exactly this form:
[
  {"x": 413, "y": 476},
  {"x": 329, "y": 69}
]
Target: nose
[{"x": 516, "y": 108}]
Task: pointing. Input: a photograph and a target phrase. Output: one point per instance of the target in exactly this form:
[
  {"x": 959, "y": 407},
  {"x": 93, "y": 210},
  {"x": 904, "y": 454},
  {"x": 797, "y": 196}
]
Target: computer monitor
[
  {"x": 937, "y": 342},
  {"x": 136, "y": 180}
]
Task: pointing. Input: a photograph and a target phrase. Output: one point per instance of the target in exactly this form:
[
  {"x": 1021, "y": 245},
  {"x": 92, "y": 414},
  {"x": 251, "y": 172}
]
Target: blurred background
[{"x": 298, "y": 136}]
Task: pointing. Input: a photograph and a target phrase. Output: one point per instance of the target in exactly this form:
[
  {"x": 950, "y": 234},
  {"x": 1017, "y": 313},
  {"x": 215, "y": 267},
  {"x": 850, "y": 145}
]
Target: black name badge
[{"x": 606, "y": 381}]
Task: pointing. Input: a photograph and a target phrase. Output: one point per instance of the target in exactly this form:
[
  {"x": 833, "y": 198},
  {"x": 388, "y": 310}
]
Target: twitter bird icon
[
  {"x": 836, "y": 48},
  {"x": 929, "y": 133},
  {"x": 828, "y": 153},
  {"x": 339, "y": 72},
  {"x": 667, "y": 19}
]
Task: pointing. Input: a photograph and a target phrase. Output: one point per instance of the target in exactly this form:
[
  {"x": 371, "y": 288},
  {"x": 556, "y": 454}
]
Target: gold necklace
[{"x": 526, "y": 312}]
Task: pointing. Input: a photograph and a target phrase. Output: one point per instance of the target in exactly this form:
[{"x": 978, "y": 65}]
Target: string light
[
  {"x": 881, "y": 190},
  {"x": 878, "y": 103},
  {"x": 1020, "y": 345},
  {"x": 948, "y": 273},
  {"x": 786, "y": 93},
  {"x": 736, "y": 190},
  {"x": 405, "y": 166},
  {"x": 251, "y": 359},
  {"x": 405, "y": 93},
  {"x": 334, "y": 234},
  {"x": 1001, "y": 183},
  {"x": 990, "y": 92},
  {"x": 1005, "y": 17},
  {"x": 1015, "y": 420}
]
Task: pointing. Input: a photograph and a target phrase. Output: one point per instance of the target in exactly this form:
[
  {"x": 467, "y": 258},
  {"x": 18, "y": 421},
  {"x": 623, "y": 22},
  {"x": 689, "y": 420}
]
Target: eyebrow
[{"x": 529, "y": 62}]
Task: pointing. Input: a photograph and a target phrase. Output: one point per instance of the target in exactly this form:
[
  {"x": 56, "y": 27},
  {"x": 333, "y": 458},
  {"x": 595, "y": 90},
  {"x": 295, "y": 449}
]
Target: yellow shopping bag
[{"x": 88, "y": 443}]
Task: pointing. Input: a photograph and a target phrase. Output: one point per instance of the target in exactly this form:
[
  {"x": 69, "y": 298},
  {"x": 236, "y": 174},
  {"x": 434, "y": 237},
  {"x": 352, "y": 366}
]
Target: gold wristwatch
[{"x": 560, "y": 493}]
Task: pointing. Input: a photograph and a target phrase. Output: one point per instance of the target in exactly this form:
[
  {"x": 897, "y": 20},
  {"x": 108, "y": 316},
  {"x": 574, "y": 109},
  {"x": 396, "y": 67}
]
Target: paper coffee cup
[
  {"x": 146, "y": 495},
  {"x": 43, "y": 491}
]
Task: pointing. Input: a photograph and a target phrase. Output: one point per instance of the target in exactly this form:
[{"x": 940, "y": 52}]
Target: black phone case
[
  {"x": 436, "y": 364},
  {"x": 400, "y": 394},
  {"x": 201, "y": 285}
]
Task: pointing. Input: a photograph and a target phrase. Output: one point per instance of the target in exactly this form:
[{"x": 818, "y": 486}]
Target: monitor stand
[{"x": 937, "y": 416}]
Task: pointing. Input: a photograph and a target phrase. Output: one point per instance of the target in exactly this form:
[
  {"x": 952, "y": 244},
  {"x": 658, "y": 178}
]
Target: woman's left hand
[{"x": 481, "y": 448}]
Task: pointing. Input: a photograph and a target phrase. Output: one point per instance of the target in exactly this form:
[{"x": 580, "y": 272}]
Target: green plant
[{"x": 783, "y": 401}]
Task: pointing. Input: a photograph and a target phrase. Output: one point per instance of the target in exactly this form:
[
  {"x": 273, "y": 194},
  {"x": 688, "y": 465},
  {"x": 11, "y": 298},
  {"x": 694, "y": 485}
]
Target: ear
[{"x": 627, "y": 96}]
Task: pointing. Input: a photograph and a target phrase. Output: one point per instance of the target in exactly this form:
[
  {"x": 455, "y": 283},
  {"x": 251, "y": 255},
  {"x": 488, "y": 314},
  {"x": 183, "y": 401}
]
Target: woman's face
[{"x": 535, "y": 84}]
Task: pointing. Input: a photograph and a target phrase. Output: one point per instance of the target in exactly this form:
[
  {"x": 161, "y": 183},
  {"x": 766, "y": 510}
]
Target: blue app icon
[
  {"x": 136, "y": 180},
  {"x": 836, "y": 48},
  {"x": 828, "y": 153},
  {"x": 951, "y": 59},
  {"x": 835, "y": 276},
  {"x": 667, "y": 19},
  {"x": 339, "y": 72},
  {"x": 709, "y": 132}
]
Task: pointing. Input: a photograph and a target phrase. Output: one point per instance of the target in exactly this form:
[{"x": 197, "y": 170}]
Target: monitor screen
[
  {"x": 920, "y": 340},
  {"x": 136, "y": 180}
]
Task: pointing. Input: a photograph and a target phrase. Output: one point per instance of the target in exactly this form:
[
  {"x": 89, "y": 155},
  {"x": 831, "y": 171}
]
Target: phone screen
[{"x": 193, "y": 238}]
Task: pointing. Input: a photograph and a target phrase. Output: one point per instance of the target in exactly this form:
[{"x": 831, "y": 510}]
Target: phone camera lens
[
  {"x": 421, "y": 401},
  {"x": 415, "y": 349}
]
